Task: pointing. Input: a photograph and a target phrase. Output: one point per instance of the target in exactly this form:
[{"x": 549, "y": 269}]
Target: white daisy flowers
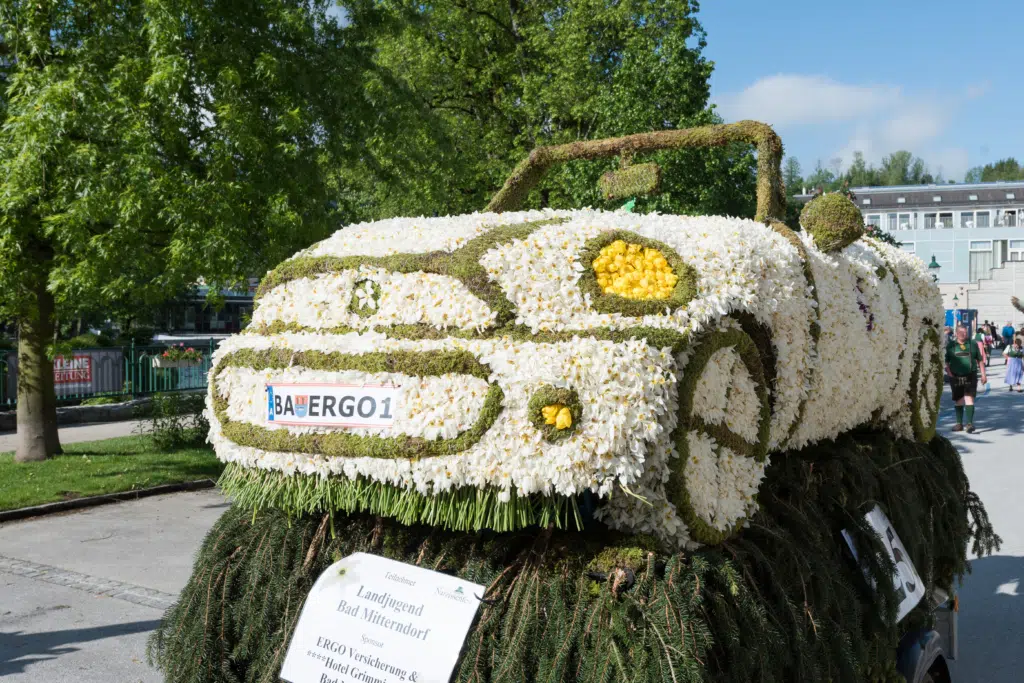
[{"x": 831, "y": 350}]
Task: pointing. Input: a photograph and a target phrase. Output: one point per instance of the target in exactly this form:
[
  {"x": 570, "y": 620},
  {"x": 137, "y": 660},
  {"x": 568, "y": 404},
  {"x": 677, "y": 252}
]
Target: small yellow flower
[
  {"x": 558, "y": 415},
  {"x": 634, "y": 272}
]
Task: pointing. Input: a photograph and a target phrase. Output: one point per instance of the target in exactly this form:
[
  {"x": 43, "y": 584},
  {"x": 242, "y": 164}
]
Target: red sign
[{"x": 76, "y": 370}]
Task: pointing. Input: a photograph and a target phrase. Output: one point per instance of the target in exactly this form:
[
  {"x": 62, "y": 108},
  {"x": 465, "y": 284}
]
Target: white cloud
[
  {"x": 912, "y": 127},
  {"x": 794, "y": 99},
  {"x": 976, "y": 90},
  {"x": 874, "y": 119}
]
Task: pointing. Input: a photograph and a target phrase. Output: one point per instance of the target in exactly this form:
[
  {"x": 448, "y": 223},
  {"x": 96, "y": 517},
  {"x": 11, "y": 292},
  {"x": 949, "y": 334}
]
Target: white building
[{"x": 974, "y": 233}]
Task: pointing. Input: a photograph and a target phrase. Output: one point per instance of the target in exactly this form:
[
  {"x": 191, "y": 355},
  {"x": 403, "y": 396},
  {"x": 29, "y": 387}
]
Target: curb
[{"x": 93, "y": 501}]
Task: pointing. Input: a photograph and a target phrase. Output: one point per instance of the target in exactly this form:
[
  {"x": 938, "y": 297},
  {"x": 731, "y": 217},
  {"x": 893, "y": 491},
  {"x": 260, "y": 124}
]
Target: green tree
[
  {"x": 492, "y": 79},
  {"x": 822, "y": 179},
  {"x": 903, "y": 168},
  {"x": 1004, "y": 169},
  {"x": 792, "y": 175},
  {"x": 146, "y": 144},
  {"x": 860, "y": 174}
]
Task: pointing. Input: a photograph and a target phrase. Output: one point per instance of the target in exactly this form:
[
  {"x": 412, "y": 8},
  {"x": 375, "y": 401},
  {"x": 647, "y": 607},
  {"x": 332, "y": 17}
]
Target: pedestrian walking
[
  {"x": 1015, "y": 364},
  {"x": 963, "y": 365},
  {"x": 1007, "y": 334},
  {"x": 979, "y": 341}
]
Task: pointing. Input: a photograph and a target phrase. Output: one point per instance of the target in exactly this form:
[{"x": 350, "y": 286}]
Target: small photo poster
[{"x": 907, "y": 582}]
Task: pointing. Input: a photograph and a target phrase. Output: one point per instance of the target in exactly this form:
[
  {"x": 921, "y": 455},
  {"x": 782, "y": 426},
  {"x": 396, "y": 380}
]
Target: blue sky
[{"x": 942, "y": 79}]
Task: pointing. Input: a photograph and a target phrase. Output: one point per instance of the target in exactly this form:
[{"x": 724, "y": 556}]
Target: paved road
[
  {"x": 79, "y": 593},
  {"x": 992, "y": 597},
  {"x": 76, "y": 433}
]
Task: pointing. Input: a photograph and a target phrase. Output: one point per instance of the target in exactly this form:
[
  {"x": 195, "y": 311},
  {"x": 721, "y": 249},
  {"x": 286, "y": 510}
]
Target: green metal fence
[{"x": 127, "y": 371}]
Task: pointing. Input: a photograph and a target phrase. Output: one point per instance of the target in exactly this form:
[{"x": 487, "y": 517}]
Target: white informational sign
[
  {"x": 370, "y": 619},
  {"x": 906, "y": 581},
  {"x": 332, "y": 405}
]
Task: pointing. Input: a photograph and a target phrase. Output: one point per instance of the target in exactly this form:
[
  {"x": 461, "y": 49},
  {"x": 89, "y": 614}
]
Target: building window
[
  {"x": 190, "y": 317},
  {"x": 866, "y": 202},
  {"x": 1007, "y": 218},
  {"x": 874, "y": 219},
  {"x": 929, "y": 221},
  {"x": 1010, "y": 195},
  {"x": 973, "y": 197},
  {"x": 901, "y": 200},
  {"x": 907, "y": 246},
  {"x": 906, "y": 222},
  {"x": 1016, "y": 251},
  {"x": 937, "y": 198},
  {"x": 946, "y": 220},
  {"x": 981, "y": 259},
  {"x": 890, "y": 222},
  {"x": 966, "y": 219},
  {"x": 981, "y": 219}
]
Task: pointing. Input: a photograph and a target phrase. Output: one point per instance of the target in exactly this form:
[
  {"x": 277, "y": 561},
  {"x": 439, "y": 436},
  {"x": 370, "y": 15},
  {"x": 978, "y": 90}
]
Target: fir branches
[{"x": 781, "y": 602}]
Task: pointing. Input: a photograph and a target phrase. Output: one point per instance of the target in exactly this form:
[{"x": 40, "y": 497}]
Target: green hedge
[{"x": 781, "y": 602}]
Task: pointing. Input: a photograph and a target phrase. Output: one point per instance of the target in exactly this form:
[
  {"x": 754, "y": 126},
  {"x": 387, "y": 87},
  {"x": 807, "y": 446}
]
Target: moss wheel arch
[
  {"x": 761, "y": 335},
  {"x": 690, "y": 421},
  {"x": 926, "y": 388},
  {"x": 683, "y": 292}
]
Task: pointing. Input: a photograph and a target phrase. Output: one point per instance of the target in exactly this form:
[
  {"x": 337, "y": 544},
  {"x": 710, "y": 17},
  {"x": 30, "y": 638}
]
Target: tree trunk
[{"x": 37, "y": 398}]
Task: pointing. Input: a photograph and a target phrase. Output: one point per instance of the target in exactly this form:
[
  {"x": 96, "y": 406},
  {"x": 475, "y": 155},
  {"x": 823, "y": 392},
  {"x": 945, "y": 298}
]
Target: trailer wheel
[
  {"x": 926, "y": 387},
  {"x": 722, "y": 436}
]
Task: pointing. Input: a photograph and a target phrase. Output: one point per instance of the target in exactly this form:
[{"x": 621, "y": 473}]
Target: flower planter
[{"x": 165, "y": 363}]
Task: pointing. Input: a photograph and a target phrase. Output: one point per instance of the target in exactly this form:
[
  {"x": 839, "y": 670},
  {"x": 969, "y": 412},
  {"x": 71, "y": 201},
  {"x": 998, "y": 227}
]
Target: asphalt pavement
[
  {"x": 80, "y": 592},
  {"x": 991, "y": 601}
]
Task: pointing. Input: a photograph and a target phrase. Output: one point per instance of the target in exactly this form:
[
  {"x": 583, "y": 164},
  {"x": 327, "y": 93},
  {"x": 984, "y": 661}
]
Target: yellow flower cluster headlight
[
  {"x": 633, "y": 271},
  {"x": 558, "y": 415}
]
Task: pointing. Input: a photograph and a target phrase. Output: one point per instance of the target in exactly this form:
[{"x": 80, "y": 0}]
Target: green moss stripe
[
  {"x": 725, "y": 436},
  {"x": 684, "y": 291},
  {"x": 415, "y": 363},
  {"x": 657, "y": 337},
  {"x": 463, "y": 264},
  {"x": 925, "y": 432},
  {"x": 461, "y": 509},
  {"x": 347, "y": 444},
  {"x": 814, "y": 323},
  {"x": 676, "y": 488}
]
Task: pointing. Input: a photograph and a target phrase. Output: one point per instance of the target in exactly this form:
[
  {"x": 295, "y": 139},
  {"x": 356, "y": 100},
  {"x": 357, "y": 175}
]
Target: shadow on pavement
[
  {"x": 18, "y": 649},
  {"x": 992, "y": 622}
]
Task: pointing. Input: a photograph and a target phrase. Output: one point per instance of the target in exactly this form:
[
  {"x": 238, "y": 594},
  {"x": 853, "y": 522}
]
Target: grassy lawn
[{"x": 95, "y": 467}]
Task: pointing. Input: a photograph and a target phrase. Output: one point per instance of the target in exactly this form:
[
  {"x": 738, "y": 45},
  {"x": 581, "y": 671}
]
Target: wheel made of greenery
[
  {"x": 926, "y": 386},
  {"x": 722, "y": 436}
]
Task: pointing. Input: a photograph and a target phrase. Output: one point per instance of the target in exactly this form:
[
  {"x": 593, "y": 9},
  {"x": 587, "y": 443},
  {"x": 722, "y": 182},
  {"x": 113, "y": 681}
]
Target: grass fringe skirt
[{"x": 782, "y": 602}]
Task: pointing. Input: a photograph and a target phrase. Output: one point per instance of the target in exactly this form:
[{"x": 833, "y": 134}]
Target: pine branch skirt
[{"x": 779, "y": 602}]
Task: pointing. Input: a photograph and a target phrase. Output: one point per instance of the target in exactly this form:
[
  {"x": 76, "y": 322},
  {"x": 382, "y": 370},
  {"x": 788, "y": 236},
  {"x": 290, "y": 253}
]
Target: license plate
[{"x": 332, "y": 405}]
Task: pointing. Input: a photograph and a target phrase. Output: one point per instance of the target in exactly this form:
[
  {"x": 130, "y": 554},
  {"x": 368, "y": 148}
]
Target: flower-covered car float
[
  {"x": 653, "y": 439},
  {"x": 643, "y": 367}
]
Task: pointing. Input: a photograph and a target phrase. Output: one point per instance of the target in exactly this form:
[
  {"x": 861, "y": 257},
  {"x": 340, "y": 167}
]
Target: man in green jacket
[{"x": 964, "y": 361}]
